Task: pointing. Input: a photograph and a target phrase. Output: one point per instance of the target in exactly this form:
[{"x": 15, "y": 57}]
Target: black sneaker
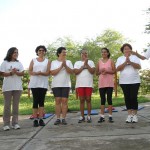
[
  {"x": 111, "y": 120},
  {"x": 41, "y": 122},
  {"x": 35, "y": 123},
  {"x": 64, "y": 122},
  {"x": 81, "y": 119},
  {"x": 57, "y": 122},
  {"x": 101, "y": 119},
  {"x": 89, "y": 120}
]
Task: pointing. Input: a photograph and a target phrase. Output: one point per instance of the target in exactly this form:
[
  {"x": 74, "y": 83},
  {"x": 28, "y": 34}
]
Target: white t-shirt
[
  {"x": 13, "y": 82},
  {"x": 128, "y": 75},
  {"x": 39, "y": 81},
  {"x": 62, "y": 79},
  {"x": 85, "y": 78},
  {"x": 147, "y": 53}
]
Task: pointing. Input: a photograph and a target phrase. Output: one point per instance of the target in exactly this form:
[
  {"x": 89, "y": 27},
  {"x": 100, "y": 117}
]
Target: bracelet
[{"x": 10, "y": 73}]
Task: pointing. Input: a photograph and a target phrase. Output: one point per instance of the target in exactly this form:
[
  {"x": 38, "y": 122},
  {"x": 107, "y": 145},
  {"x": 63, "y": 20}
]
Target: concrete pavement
[{"x": 90, "y": 136}]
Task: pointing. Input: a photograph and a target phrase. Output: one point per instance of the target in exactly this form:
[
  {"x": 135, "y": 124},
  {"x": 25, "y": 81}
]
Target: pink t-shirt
[{"x": 106, "y": 80}]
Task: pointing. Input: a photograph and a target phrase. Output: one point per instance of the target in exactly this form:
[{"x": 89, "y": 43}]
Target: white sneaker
[
  {"x": 6, "y": 128},
  {"x": 135, "y": 119},
  {"x": 16, "y": 126},
  {"x": 129, "y": 119}
]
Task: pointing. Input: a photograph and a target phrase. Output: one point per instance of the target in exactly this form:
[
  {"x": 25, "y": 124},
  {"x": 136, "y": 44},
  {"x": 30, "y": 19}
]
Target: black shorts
[{"x": 61, "y": 92}]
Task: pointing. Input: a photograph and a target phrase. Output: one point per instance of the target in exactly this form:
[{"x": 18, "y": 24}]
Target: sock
[{"x": 102, "y": 115}]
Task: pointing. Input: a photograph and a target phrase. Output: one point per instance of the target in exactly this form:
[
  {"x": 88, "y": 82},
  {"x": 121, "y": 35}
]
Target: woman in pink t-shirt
[{"x": 105, "y": 69}]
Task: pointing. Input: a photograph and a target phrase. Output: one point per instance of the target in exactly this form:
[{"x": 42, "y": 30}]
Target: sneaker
[
  {"x": 81, "y": 119},
  {"x": 64, "y": 122},
  {"x": 57, "y": 122},
  {"x": 101, "y": 119},
  {"x": 16, "y": 126},
  {"x": 129, "y": 119},
  {"x": 111, "y": 120},
  {"x": 6, "y": 128},
  {"x": 41, "y": 122},
  {"x": 35, "y": 123},
  {"x": 89, "y": 120},
  {"x": 135, "y": 119}
]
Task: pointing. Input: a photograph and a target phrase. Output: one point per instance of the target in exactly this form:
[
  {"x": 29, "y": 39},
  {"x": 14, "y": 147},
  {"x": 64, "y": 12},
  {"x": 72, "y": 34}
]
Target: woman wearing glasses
[{"x": 39, "y": 71}]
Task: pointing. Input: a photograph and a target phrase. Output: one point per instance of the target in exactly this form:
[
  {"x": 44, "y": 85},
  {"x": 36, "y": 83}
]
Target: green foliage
[
  {"x": 25, "y": 80},
  {"x": 145, "y": 81},
  {"x": 109, "y": 38}
]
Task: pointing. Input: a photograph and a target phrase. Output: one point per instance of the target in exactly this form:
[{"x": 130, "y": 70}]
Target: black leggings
[
  {"x": 38, "y": 97},
  {"x": 103, "y": 92},
  {"x": 130, "y": 92}
]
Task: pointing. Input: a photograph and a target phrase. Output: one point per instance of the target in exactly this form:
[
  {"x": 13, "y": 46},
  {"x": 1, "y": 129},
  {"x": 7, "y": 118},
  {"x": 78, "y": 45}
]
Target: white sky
[{"x": 26, "y": 24}]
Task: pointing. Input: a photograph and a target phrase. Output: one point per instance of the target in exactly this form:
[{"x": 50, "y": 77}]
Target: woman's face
[
  {"x": 104, "y": 53},
  {"x": 15, "y": 55},
  {"x": 41, "y": 52},
  {"x": 127, "y": 51},
  {"x": 63, "y": 53},
  {"x": 84, "y": 54}
]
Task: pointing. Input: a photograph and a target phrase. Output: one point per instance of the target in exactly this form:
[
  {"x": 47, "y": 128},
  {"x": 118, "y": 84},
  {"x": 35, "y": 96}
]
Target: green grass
[{"x": 25, "y": 106}]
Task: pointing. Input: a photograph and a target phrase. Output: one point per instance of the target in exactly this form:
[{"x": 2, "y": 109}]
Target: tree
[{"x": 109, "y": 38}]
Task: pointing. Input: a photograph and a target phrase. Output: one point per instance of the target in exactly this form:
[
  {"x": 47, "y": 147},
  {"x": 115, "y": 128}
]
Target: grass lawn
[{"x": 25, "y": 106}]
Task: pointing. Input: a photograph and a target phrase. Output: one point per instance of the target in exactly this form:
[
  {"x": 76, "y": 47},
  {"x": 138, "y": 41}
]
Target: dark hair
[
  {"x": 59, "y": 50},
  {"x": 83, "y": 49},
  {"x": 106, "y": 49},
  {"x": 10, "y": 53},
  {"x": 124, "y": 45},
  {"x": 41, "y": 46}
]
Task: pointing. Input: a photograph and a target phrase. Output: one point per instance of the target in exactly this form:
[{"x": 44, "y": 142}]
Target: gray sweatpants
[{"x": 9, "y": 96}]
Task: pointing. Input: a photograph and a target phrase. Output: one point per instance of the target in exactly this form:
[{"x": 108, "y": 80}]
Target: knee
[
  {"x": 82, "y": 100},
  {"x": 88, "y": 100}
]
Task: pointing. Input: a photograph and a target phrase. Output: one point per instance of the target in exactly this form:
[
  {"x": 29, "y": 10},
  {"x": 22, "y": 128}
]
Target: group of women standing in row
[{"x": 40, "y": 68}]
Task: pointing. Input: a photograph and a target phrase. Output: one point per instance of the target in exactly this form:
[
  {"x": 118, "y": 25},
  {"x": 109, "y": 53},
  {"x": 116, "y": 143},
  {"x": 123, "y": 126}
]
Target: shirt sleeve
[
  {"x": 91, "y": 64},
  {"x": 137, "y": 60},
  {"x": 3, "y": 66},
  {"x": 53, "y": 67},
  {"x": 70, "y": 64},
  {"x": 147, "y": 53},
  {"x": 118, "y": 62},
  {"x": 21, "y": 68},
  {"x": 76, "y": 65}
]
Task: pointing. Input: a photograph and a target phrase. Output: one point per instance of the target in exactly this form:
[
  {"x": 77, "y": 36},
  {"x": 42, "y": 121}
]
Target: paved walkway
[{"x": 86, "y": 136}]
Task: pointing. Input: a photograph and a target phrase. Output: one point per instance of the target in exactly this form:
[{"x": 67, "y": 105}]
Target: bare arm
[
  {"x": 78, "y": 71},
  {"x": 113, "y": 68},
  {"x": 69, "y": 70},
  {"x": 13, "y": 72},
  {"x": 56, "y": 71},
  {"x": 47, "y": 73},
  {"x": 128, "y": 62},
  {"x": 138, "y": 55},
  {"x": 97, "y": 69},
  {"x": 91, "y": 70}
]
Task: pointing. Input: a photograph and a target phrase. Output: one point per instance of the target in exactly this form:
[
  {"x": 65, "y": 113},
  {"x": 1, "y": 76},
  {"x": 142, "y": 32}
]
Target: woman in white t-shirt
[
  {"x": 84, "y": 70},
  {"x": 61, "y": 83},
  {"x": 129, "y": 80},
  {"x": 39, "y": 71},
  {"x": 12, "y": 71}
]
